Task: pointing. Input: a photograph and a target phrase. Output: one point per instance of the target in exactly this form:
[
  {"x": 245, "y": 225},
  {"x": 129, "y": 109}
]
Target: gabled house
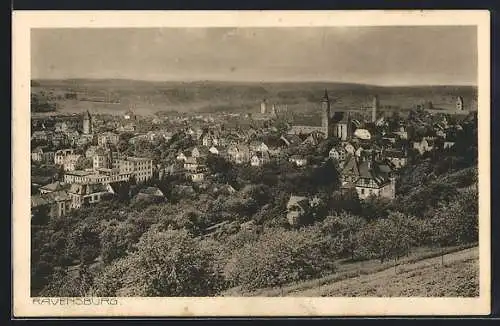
[
  {"x": 191, "y": 164},
  {"x": 54, "y": 187},
  {"x": 88, "y": 194},
  {"x": 37, "y": 154},
  {"x": 397, "y": 158},
  {"x": 368, "y": 178},
  {"x": 150, "y": 193},
  {"x": 199, "y": 152},
  {"x": 260, "y": 158},
  {"x": 183, "y": 155},
  {"x": 60, "y": 155},
  {"x": 258, "y": 146},
  {"x": 313, "y": 139},
  {"x": 238, "y": 154},
  {"x": 54, "y": 204},
  {"x": 338, "y": 153}
]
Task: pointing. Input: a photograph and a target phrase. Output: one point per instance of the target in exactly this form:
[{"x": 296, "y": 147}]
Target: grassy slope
[
  {"x": 370, "y": 278},
  {"x": 425, "y": 278}
]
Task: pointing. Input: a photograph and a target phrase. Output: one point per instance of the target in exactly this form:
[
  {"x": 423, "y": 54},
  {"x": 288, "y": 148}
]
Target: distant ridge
[{"x": 225, "y": 82}]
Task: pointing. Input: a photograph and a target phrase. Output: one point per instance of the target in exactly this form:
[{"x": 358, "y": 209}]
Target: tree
[
  {"x": 343, "y": 231},
  {"x": 83, "y": 163},
  {"x": 117, "y": 238},
  {"x": 280, "y": 257},
  {"x": 84, "y": 243},
  {"x": 391, "y": 237}
]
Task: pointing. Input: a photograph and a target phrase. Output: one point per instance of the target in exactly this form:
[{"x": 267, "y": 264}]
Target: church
[{"x": 339, "y": 124}]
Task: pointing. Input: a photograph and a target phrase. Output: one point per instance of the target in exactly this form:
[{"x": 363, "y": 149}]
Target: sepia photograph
[{"x": 254, "y": 162}]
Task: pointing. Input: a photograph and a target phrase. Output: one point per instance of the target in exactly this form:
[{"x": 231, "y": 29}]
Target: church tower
[
  {"x": 460, "y": 103},
  {"x": 87, "y": 123},
  {"x": 325, "y": 115},
  {"x": 263, "y": 107}
]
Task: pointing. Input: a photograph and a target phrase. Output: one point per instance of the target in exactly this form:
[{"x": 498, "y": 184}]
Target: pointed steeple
[{"x": 325, "y": 97}]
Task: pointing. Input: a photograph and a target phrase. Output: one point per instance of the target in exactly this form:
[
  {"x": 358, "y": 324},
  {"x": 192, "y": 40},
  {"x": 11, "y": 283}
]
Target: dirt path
[{"x": 387, "y": 274}]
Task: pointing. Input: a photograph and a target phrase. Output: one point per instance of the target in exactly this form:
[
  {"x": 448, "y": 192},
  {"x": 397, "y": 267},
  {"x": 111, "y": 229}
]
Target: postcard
[{"x": 251, "y": 163}]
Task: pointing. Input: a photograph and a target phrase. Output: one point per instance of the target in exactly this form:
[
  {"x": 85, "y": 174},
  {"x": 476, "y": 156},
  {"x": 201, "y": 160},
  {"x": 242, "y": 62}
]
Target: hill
[
  {"x": 118, "y": 95},
  {"x": 417, "y": 277}
]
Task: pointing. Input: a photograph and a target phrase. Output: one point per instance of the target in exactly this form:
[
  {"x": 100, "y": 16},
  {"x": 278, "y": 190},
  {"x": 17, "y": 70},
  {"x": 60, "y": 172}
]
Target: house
[
  {"x": 402, "y": 133},
  {"x": 77, "y": 176},
  {"x": 182, "y": 156},
  {"x": 349, "y": 148},
  {"x": 338, "y": 153},
  {"x": 174, "y": 169},
  {"x": 313, "y": 139},
  {"x": 90, "y": 152},
  {"x": 298, "y": 160},
  {"x": 260, "y": 158},
  {"x": 239, "y": 154},
  {"x": 137, "y": 139},
  {"x": 53, "y": 187},
  {"x": 150, "y": 193},
  {"x": 213, "y": 150},
  {"x": 196, "y": 175},
  {"x": 59, "y": 139},
  {"x": 85, "y": 139},
  {"x": 61, "y": 126},
  {"x": 54, "y": 204},
  {"x": 88, "y": 194},
  {"x": 191, "y": 164},
  {"x": 70, "y": 162},
  {"x": 72, "y": 136},
  {"x": 368, "y": 178},
  {"x": 41, "y": 136},
  {"x": 397, "y": 158},
  {"x": 425, "y": 145},
  {"x": 210, "y": 138},
  {"x": 100, "y": 159},
  {"x": 199, "y": 152},
  {"x": 61, "y": 154},
  {"x": 108, "y": 138},
  {"x": 140, "y": 167},
  {"x": 296, "y": 207},
  {"x": 48, "y": 157},
  {"x": 37, "y": 154},
  {"x": 257, "y": 146}
]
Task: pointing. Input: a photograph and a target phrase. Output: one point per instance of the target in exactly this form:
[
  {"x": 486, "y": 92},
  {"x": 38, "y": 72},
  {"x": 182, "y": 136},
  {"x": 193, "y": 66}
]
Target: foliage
[
  {"x": 167, "y": 263},
  {"x": 391, "y": 237},
  {"x": 279, "y": 257}
]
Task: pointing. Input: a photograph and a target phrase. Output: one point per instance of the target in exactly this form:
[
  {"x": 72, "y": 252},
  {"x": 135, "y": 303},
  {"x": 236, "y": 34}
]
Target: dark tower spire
[{"x": 325, "y": 97}]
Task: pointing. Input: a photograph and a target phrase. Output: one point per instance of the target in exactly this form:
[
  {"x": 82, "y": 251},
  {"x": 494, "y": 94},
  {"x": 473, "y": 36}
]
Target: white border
[{"x": 25, "y": 20}]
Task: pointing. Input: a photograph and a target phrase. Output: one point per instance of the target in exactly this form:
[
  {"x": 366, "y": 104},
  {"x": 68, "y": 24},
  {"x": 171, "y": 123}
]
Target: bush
[
  {"x": 169, "y": 263},
  {"x": 279, "y": 257}
]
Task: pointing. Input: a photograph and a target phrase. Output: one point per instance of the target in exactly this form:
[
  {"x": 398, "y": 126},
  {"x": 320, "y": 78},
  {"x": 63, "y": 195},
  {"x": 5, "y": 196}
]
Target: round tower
[
  {"x": 263, "y": 108},
  {"x": 87, "y": 123},
  {"x": 325, "y": 115}
]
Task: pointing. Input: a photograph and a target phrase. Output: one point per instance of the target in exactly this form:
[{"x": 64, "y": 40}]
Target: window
[{"x": 362, "y": 191}]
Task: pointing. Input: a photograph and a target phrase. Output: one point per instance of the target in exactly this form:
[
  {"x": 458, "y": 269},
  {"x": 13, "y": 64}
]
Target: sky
[{"x": 394, "y": 55}]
